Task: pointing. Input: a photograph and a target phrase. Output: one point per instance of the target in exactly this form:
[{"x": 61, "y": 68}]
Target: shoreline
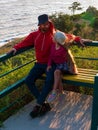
[{"x": 6, "y": 41}]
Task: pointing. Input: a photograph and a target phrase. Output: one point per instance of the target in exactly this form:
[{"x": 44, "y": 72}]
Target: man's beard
[{"x": 44, "y": 30}]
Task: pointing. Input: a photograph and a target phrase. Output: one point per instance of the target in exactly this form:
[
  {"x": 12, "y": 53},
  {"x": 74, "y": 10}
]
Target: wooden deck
[{"x": 71, "y": 112}]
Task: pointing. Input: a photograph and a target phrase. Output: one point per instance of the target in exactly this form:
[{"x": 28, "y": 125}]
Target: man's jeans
[{"x": 35, "y": 73}]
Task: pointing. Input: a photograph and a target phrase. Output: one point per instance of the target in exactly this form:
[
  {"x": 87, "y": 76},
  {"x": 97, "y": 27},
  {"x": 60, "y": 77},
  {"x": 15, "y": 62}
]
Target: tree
[
  {"x": 75, "y": 6},
  {"x": 95, "y": 24},
  {"x": 62, "y": 22},
  {"x": 92, "y": 10}
]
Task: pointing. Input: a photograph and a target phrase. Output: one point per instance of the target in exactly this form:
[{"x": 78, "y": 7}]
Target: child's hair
[{"x": 60, "y": 37}]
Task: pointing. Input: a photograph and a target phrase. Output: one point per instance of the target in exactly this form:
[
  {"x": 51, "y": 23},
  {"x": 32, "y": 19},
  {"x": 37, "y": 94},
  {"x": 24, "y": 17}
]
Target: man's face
[{"x": 44, "y": 27}]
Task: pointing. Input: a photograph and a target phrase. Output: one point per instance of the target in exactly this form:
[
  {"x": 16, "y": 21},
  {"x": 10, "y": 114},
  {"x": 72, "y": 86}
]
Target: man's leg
[
  {"x": 47, "y": 87},
  {"x": 33, "y": 75}
]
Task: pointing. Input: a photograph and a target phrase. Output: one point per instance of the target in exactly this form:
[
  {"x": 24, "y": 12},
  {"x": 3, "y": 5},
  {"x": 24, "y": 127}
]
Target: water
[{"x": 19, "y": 17}]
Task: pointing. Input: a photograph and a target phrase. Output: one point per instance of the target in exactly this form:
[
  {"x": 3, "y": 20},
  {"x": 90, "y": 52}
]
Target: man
[{"x": 42, "y": 39}]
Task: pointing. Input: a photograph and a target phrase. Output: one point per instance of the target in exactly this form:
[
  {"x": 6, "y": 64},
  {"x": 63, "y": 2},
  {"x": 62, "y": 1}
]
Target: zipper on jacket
[
  {"x": 43, "y": 43},
  {"x": 37, "y": 37}
]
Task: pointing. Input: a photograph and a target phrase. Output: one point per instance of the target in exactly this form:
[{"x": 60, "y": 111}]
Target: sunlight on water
[{"x": 18, "y": 18}]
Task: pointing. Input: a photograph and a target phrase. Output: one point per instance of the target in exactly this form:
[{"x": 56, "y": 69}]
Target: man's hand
[
  {"x": 82, "y": 43},
  {"x": 13, "y": 51}
]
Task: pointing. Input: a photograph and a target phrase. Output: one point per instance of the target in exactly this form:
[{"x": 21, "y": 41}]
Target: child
[
  {"x": 73, "y": 39},
  {"x": 58, "y": 56},
  {"x": 63, "y": 59}
]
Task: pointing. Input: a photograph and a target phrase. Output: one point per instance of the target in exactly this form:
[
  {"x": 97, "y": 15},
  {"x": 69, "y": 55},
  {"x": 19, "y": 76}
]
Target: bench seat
[{"x": 84, "y": 76}]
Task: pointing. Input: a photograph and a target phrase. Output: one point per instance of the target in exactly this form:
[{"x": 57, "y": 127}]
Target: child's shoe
[{"x": 52, "y": 96}]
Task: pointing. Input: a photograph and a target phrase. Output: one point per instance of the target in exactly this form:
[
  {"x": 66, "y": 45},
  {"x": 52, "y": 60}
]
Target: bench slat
[
  {"x": 88, "y": 74},
  {"x": 84, "y": 76},
  {"x": 87, "y": 70},
  {"x": 79, "y": 79}
]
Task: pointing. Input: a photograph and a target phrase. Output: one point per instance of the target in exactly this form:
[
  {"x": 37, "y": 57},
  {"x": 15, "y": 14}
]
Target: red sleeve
[
  {"x": 77, "y": 39},
  {"x": 28, "y": 41},
  {"x": 50, "y": 56}
]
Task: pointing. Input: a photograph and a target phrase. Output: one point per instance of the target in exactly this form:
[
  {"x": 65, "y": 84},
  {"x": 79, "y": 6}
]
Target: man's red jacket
[{"x": 41, "y": 41}]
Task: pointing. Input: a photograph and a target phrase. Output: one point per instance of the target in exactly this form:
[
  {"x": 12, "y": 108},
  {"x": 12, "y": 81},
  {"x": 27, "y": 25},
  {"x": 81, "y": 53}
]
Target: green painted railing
[
  {"x": 20, "y": 82},
  {"x": 7, "y": 56},
  {"x": 17, "y": 84}
]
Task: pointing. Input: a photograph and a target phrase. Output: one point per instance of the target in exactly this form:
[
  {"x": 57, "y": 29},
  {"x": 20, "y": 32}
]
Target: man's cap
[
  {"x": 60, "y": 37},
  {"x": 42, "y": 19}
]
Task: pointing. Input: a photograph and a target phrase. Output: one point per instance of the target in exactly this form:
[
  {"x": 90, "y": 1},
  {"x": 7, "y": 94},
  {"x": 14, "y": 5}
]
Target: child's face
[{"x": 56, "y": 43}]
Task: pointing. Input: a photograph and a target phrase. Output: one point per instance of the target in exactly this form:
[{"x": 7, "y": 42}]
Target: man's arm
[{"x": 28, "y": 41}]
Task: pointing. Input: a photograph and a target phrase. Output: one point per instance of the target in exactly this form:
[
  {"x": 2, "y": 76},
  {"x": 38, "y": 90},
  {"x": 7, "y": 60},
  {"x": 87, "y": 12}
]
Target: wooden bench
[{"x": 85, "y": 78}]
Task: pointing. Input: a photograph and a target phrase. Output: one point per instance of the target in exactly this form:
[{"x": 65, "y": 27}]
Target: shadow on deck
[{"x": 71, "y": 112}]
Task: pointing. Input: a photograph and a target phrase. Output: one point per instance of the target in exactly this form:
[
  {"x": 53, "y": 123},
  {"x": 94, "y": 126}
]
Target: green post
[{"x": 94, "y": 120}]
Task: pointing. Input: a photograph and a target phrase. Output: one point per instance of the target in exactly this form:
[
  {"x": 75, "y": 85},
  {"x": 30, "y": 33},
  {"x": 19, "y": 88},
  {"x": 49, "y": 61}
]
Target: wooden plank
[
  {"x": 84, "y": 75},
  {"x": 71, "y": 111},
  {"x": 79, "y": 79},
  {"x": 87, "y": 70}
]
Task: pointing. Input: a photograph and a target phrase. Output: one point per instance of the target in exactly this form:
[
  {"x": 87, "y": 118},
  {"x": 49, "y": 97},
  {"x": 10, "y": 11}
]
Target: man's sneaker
[
  {"x": 44, "y": 109},
  {"x": 36, "y": 111},
  {"x": 40, "y": 110}
]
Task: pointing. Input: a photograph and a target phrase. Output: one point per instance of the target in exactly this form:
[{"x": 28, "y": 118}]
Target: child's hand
[
  {"x": 80, "y": 41},
  {"x": 48, "y": 68}
]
